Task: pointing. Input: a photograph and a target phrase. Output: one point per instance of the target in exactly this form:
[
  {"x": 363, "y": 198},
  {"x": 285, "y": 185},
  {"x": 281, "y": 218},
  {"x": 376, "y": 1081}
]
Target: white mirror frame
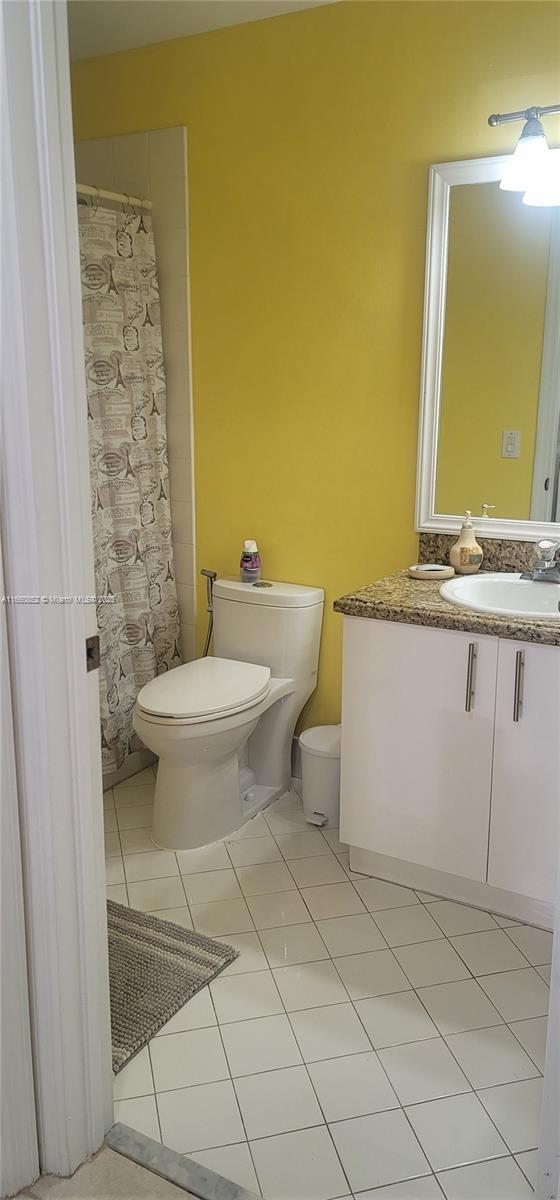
[{"x": 444, "y": 176}]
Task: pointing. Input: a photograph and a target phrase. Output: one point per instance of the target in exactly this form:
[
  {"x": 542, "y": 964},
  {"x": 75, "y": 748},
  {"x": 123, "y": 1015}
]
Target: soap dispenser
[{"x": 466, "y": 554}]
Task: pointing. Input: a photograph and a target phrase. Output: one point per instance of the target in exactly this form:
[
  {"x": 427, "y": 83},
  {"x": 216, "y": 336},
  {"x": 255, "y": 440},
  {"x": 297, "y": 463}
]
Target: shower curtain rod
[{"x": 85, "y": 189}]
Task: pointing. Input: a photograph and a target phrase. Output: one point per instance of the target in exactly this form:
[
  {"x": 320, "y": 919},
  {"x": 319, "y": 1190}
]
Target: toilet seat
[{"x": 204, "y": 690}]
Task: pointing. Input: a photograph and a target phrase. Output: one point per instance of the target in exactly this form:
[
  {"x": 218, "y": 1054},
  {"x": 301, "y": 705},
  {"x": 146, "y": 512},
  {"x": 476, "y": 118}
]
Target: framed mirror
[{"x": 490, "y": 393}]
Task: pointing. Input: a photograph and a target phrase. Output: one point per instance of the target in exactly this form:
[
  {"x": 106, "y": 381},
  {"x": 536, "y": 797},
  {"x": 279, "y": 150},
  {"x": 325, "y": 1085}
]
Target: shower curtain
[{"x": 137, "y": 609}]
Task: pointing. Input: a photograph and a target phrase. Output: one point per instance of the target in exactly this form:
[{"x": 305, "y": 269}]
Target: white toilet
[{"x": 222, "y": 727}]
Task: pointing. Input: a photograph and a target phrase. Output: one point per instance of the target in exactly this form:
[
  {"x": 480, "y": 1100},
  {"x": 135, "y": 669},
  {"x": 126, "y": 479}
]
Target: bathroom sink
[{"x": 504, "y": 595}]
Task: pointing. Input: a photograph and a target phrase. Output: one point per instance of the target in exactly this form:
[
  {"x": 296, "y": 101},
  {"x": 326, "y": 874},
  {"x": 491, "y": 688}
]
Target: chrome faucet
[{"x": 546, "y": 568}]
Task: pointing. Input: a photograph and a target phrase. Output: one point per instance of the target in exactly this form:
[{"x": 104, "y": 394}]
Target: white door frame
[
  {"x": 544, "y": 504},
  {"x": 47, "y": 544}
]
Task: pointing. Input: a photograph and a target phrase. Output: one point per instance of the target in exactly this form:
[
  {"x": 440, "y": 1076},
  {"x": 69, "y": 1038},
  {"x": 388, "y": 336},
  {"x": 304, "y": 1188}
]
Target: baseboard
[
  {"x": 194, "y": 1179},
  {"x": 453, "y": 887},
  {"x": 137, "y": 761}
]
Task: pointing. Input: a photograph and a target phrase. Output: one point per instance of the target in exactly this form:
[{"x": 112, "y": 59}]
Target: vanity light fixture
[{"x": 533, "y": 168}]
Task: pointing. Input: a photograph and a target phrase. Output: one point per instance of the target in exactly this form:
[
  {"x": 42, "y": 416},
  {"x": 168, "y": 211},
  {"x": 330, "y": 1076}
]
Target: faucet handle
[{"x": 546, "y": 553}]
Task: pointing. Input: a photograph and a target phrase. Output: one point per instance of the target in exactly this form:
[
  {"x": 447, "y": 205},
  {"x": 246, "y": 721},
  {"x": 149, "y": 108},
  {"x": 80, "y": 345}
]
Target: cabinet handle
[
  {"x": 471, "y": 661},
  {"x": 518, "y": 685}
]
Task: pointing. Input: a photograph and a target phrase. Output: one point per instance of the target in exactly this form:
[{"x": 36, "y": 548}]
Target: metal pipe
[{"x": 525, "y": 114}]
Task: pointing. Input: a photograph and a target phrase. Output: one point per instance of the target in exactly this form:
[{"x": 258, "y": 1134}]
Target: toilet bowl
[{"x": 222, "y": 726}]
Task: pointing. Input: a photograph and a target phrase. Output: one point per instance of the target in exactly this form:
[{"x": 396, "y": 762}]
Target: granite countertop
[{"x": 418, "y": 602}]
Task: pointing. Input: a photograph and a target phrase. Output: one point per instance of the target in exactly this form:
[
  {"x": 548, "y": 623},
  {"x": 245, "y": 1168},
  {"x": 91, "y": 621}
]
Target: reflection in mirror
[{"x": 493, "y": 392}]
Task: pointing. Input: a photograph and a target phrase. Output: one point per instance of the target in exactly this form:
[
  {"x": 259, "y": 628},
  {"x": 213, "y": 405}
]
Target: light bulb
[
  {"x": 544, "y": 190},
  {"x": 530, "y": 152}
]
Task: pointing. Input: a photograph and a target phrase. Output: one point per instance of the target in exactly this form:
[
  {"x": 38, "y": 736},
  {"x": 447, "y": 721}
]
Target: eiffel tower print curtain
[{"x": 137, "y": 609}]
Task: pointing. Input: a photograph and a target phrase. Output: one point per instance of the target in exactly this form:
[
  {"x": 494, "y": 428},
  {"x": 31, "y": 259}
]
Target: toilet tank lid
[
  {"x": 270, "y": 592},
  {"x": 204, "y": 687}
]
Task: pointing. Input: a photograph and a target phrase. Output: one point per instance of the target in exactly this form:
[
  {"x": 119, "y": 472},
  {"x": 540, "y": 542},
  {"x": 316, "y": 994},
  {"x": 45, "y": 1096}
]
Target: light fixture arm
[{"x": 526, "y": 114}]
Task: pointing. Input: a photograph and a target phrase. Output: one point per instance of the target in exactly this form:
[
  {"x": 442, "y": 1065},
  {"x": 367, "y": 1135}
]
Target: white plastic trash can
[{"x": 320, "y": 769}]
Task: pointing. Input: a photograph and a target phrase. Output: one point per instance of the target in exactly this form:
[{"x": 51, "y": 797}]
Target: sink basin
[{"x": 504, "y": 595}]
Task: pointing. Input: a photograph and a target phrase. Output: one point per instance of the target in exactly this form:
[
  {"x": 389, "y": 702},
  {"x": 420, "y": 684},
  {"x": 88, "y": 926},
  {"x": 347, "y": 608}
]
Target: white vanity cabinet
[
  {"x": 450, "y": 755},
  {"x": 524, "y": 823}
]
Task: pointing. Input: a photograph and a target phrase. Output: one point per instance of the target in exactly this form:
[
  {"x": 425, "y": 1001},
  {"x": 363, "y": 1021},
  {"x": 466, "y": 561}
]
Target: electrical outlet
[{"x": 510, "y": 443}]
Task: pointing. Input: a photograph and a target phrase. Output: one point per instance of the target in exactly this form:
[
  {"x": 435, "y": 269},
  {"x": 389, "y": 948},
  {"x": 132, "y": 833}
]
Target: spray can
[{"x": 250, "y": 565}]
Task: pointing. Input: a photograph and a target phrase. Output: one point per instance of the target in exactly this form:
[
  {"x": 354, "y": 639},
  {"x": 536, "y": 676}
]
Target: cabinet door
[
  {"x": 525, "y": 802},
  {"x": 416, "y": 749}
]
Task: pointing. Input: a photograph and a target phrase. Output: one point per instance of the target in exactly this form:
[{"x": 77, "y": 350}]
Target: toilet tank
[{"x": 277, "y": 625}]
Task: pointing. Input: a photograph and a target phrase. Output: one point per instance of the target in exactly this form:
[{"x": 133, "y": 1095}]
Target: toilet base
[{"x": 185, "y": 812}]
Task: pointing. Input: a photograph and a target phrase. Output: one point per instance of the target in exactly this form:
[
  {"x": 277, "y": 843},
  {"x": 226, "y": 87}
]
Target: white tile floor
[{"x": 369, "y": 1041}]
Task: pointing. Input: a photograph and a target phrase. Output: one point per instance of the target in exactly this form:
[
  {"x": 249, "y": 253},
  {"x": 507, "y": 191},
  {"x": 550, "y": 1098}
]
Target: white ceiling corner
[{"x": 107, "y": 26}]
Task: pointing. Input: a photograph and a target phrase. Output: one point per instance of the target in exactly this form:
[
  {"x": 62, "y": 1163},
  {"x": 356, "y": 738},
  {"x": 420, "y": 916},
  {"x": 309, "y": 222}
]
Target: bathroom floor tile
[
  {"x": 309, "y": 985},
  {"x": 263, "y": 1044},
  {"x": 256, "y": 827},
  {"x": 204, "y": 858},
  {"x": 126, "y": 797},
  {"x": 406, "y": 926},
  {"x": 395, "y": 1019},
  {"x": 373, "y": 974},
  {"x": 352, "y": 1086},
  {"x": 137, "y": 841},
  {"x": 279, "y": 908},
  {"x": 157, "y": 864},
  {"x": 485, "y": 953},
  {"x": 459, "y": 918},
  {"x": 110, "y": 819},
  {"x": 329, "y": 1032},
  {"x": 242, "y": 997},
  {"x": 250, "y": 851},
  {"x": 517, "y": 994},
  {"x": 332, "y": 837},
  {"x": 114, "y": 871},
  {"x": 140, "y": 1114},
  {"x": 264, "y": 878},
  {"x": 378, "y": 1149},
  {"x": 424, "y": 1188},
  {"x": 277, "y": 1102},
  {"x": 138, "y": 816},
  {"x": 527, "y": 1160},
  {"x": 117, "y": 892},
  {"x": 145, "y": 777},
  {"x": 535, "y": 944},
  {"x": 332, "y": 900},
  {"x": 291, "y": 944},
  {"x": 302, "y": 845},
  {"x": 112, "y": 844},
  {"x": 134, "y": 1079},
  {"x": 455, "y": 1131},
  {"x": 351, "y": 935},
  {"x": 515, "y": 1109},
  {"x": 198, "y": 1118},
  {"x": 156, "y": 893},
  {"x": 423, "y": 1071},
  {"x": 220, "y": 918},
  {"x": 505, "y": 922},
  {"x": 490, "y": 1056},
  {"x": 321, "y": 869},
  {"x": 532, "y": 1035},
  {"x": 251, "y": 954},
  {"x": 296, "y": 1165},
  {"x": 545, "y": 972},
  {"x": 231, "y": 1162},
  {"x": 456, "y": 1007},
  {"x": 377, "y": 894},
  {"x": 498, "y": 1179},
  {"x": 287, "y": 821},
  {"x": 197, "y": 1013},
  {"x": 179, "y": 916},
  {"x": 183, "y": 1059},
  {"x": 432, "y": 962},
  {"x": 207, "y": 887}
]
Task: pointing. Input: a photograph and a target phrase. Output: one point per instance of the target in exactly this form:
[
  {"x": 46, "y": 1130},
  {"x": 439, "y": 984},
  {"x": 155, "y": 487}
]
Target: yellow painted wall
[
  {"x": 494, "y": 323},
  {"x": 310, "y": 136}
]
